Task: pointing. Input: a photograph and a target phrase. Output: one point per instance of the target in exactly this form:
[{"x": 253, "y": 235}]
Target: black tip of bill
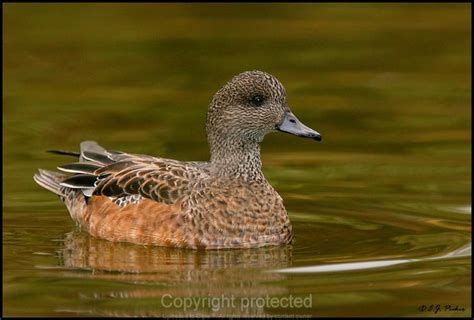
[{"x": 317, "y": 137}]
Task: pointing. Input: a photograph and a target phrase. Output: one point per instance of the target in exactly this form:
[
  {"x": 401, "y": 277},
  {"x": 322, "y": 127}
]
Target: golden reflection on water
[{"x": 135, "y": 263}]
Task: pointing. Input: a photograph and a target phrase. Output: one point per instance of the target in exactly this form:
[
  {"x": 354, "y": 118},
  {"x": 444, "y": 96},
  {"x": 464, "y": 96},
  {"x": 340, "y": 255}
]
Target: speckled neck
[{"x": 235, "y": 158}]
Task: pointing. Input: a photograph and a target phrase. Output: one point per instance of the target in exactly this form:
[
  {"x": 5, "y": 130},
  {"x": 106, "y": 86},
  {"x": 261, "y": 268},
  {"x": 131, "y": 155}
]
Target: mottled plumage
[{"x": 223, "y": 203}]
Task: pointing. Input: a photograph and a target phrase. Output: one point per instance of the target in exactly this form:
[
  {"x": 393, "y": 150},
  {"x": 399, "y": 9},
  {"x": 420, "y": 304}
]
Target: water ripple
[{"x": 461, "y": 252}]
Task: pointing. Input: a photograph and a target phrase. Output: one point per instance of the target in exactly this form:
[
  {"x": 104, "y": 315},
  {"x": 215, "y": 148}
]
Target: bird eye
[{"x": 257, "y": 100}]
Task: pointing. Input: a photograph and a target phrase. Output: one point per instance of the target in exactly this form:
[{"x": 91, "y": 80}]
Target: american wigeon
[{"x": 223, "y": 203}]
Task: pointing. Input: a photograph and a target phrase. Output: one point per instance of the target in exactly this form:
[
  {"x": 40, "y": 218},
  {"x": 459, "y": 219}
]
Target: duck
[{"x": 223, "y": 203}]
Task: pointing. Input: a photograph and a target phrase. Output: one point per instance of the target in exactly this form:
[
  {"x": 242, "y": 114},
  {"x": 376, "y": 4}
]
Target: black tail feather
[
  {"x": 64, "y": 153},
  {"x": 80, "y": 167},
  {"x": 80, "y": 181}
]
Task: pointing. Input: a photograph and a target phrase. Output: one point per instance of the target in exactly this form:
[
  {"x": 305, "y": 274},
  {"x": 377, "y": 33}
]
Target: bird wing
[{"x": 116, "y": 174}]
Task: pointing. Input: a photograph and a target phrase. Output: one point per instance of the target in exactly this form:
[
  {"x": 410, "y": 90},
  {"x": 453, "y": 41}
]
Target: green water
[{"x": 380, "y": 208}]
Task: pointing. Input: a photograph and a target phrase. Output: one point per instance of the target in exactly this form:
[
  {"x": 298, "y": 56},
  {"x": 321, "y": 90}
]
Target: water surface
[{"x": 380, "y": 208}]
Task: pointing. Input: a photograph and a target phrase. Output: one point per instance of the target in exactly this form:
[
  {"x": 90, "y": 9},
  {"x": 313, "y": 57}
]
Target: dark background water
[{"x": 387, "y": 85}]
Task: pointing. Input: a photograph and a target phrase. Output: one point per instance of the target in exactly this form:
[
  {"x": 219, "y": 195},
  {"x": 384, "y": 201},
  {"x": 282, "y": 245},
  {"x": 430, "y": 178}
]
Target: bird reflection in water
[{"x": 150, "y": 272}]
